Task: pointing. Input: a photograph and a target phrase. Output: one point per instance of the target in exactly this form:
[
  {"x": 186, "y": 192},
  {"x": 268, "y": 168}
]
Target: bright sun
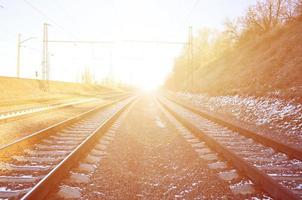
[{"x": 148, "y": 85}]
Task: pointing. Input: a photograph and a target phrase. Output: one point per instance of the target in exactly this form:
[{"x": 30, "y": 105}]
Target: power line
[
  {"x": 43, "y": 14},
  {"x": 191, "y": 11},
  {"x": 68, "y": 14},
  {"x": 154, "y": 41},
  {"x": 112, "y": 42},
  {"x": 81, "y": 41}
]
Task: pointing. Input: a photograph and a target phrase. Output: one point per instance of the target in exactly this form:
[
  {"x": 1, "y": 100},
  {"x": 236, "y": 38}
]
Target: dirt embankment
[
  {"x": 17, "y": 90},
  {"x": 18, "y": 94},
  {"x": 268, "y": 65}
]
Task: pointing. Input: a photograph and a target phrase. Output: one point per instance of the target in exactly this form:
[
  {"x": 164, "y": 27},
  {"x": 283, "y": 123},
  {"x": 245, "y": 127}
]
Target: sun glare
[{"x": 148, "y": 86}]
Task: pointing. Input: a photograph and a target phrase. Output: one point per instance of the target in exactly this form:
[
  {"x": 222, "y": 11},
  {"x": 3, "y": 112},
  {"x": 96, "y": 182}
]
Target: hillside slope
[
  {"x": 14, "y": 89},
  {"x": 269, "y": 65}
]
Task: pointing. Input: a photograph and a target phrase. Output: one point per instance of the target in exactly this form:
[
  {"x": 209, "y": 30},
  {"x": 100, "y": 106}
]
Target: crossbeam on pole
[
  {"x": 112, "y": 42},
  {"x": 81, "y": 41},
  {"x": 154, "y": 41}
]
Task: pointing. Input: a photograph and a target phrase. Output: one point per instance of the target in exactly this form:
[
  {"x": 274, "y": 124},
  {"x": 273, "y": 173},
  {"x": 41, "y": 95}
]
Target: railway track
[
  {"x": 270, "y": 166},
  {"x": 24, "y": 112},
  {"x": 30, "y": 166},
  {"x": 245, "y": 129},
  {"x": 80, "y": 172}
]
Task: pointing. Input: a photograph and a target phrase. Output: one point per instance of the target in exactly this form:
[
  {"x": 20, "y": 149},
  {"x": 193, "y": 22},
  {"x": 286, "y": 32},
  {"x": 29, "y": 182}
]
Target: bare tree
[
  {"x": 292, "y": 9},
  {"x": 209, "y": 44},
  {"x": 87, "y": 76},
  {"x": 232, "y": 29},
  {"x": 263, "y": 16},
  {"x": 298, "y": 8},
  {"x": 267, "y": 14}
]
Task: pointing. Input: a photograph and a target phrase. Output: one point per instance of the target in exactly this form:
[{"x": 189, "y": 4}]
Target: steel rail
[
  {"x": 248, "y": 132},
  {"x": 260, "y": 178},
  {"x": 32, "y": 110},
  {"x": 41, "y": 189},
  {"x": 22, "y": 113},
  {"x": 20, "y": 144}
]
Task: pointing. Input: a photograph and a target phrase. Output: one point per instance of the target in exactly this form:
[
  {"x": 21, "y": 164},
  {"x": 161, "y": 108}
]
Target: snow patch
[
  {"x": 280, "y": 116},
  {"x": 159, "y": 123},
  {"x": 68, "y": 192}
]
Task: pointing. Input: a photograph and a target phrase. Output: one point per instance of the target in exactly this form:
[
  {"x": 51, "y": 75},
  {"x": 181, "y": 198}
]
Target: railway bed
[
  {"x": 269, "y": 167},
  {"x": 84, "y": 176},
  {"x": 17, "y": 114},
  {"x": 33, "y": 167},
  {"x": 29, "y": 161}
]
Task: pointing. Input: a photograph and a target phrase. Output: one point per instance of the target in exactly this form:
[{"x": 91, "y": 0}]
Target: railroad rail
[
  {"x": 247, "y": 131},
  {"x": 40, "y": 158},
  {"x": 268, "y": 166},
  {"x": 22, "y": 113}
]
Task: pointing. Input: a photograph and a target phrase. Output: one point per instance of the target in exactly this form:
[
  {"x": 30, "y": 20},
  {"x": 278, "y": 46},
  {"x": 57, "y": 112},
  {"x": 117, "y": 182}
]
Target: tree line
[{"x": 209, "y": 44}]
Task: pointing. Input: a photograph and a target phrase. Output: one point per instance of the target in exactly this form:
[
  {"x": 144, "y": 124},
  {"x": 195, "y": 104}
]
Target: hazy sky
[{"x": 112, "y": 20}]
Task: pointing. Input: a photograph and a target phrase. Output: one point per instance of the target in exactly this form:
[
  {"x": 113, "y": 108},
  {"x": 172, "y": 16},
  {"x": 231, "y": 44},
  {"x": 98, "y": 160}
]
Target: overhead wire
[
  {"x": 192, "y": 10},
  {"x": 42, "y": 13},
  {"x": 67, "y": 13}
]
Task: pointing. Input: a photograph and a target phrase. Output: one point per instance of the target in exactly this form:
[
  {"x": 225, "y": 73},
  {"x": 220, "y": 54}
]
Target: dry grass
[
  {"x": 269, "y": 65},
  {"x": 22, "y": 91}
]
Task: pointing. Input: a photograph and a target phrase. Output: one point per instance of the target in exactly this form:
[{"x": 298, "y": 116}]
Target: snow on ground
[
  {"x": 146, "y": 161},
  {"x": 280, "y": 116}
]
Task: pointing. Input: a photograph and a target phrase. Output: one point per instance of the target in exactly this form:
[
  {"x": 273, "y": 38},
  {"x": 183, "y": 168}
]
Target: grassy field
[{"x": 16, "y": 90}]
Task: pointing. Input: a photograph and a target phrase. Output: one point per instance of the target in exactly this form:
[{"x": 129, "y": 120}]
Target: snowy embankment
[{"x": 282, "y": 118}]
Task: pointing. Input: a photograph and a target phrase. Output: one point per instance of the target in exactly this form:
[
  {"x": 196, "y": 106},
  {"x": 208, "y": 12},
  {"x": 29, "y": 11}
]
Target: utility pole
[
  {"x": 45, "y": 56},
  {"x": 131, "y": 77},
  {"x": 111, "y": 70},
  {"x": 19, "y": 45},
  {"x": 192, "y": 58},
  {"x": 190, "y": 68},
  {"x": 18, "y": 55}
]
